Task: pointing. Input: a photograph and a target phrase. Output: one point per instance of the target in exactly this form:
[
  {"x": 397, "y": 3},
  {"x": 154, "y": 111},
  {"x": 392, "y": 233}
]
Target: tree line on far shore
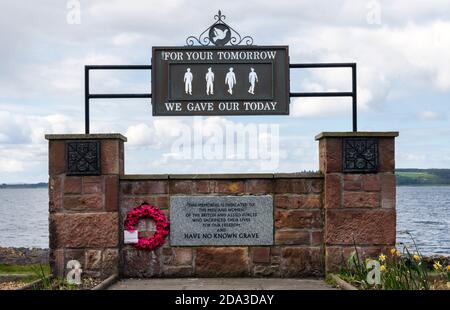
[{"x": 410, "y": 176}]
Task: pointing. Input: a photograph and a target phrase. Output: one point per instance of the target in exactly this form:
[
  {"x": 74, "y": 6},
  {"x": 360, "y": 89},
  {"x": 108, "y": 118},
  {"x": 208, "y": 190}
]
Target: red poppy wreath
[{"x": 146, "y": 211}]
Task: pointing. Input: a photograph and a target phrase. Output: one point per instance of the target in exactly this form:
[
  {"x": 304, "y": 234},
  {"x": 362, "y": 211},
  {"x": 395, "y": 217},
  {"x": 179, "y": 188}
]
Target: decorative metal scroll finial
[{"x": 219, "y": 34}]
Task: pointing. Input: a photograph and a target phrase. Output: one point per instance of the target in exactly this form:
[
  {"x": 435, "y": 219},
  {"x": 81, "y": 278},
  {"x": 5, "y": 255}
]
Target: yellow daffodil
[
  {"x": 447, "y": 268},
  {"x": 393, "y": 250},
  {"x": 416, "y": 257},
  {"x": 382, "y": 268},
  {"x": 437, "y": 266},
  {"x": 382, "y": 257}
]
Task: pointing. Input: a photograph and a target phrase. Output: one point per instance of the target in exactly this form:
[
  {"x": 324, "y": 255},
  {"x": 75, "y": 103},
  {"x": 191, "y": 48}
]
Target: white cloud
[
  {"x": 429, "y": 115},
  {"x": 11, "y": 165},
  {"x": 320, "y": 107},
  {"x": 41, "y": 76}
]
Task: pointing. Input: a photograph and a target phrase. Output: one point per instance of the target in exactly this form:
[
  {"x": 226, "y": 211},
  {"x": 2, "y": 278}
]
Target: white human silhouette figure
[
  {"x": 252, "y": 79},
  {"x": 230, "y": 79},
  {"x": 188, "y": 77},
  {"x": 209, "y": 82}
]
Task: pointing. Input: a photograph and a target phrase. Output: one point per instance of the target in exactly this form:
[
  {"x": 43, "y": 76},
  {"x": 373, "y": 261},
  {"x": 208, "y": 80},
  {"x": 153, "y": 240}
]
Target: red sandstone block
[
  {"x": 55, "y": 194},
  {"x": 167, "y": 252},
  {"x": 121, "y": 157},
  {"x": 177, "y": 271},
  {"x": 222, "y": 262},
  {"x": 230, "y": 187},
  {"x": 316, "y": 238},
  {"x": 365, "y": 227},
  {"x": 292, "y": 237},
  {"x": 57, "y": 263},
  {"x": 261, "y": 255},
  {"x": 92, "y": 185},
  {"x": 352, "y": 182},
  {"x": 203, "y": 187},
  {"x": 180, "y": 187},
  {"x": 314, "y": 185},
  {"x": 112, "y": 193},
  {"x": 371, "y": 182},
  {"x": 361, "y": 200},
  {"x": 161, "y": 202},
  {"x": 149, "y": 187},
  {"x": 261, "y": 186},
  {"x": 275, "y": 251},
  {"x": 284, "y": 202},
  {"x": 301, "y": 262},
  {"x": 282, "y": 186},
  {"x": 388, "y": 190},
  {"x": 333, "y": 191},
  {"x": 110, "y": 163},
  {"x": 110, "y": 261},
  {"x": 139, "y": 264},
  {"x": 128, "y": 203},
  {"x": 372, "y": 251},
  {"x": 158, "y": 187},
  {"x": 338, "y": 256},
  {"x": 72, "y": 185},
  {"x": 178, "y": 256},
  {"x": 126, "y": 188},
  {"x": 265, "y": 270},
  {"x": 386, "y": 147},
  {"x": 293, "y": 186},
  {"x": 294, "y": 201},
  {"x": 322, "y": 155},
  {"x": 330, "y": 155},
  {"x": 84, "y": 230},
  {"x": 298, "y": 219},
  {"x": 334, "y": 259},
  {"x": 56, "y": 157},
  {"x": 83, "y": 202},
  {"x": 93, "y": 259}
]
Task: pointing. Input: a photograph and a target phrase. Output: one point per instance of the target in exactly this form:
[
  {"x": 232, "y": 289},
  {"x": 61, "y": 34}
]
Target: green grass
[
  {"x": 32, "y": 272},
  {"x": 422, "y": 177},
  {"x": 22, "y": 269}
]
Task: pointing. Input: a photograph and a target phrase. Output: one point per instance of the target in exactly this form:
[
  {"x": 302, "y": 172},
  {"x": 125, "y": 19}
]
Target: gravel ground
[{"x": 11, "y": 285}]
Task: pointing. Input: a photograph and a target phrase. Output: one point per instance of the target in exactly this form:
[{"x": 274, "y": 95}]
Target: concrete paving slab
[{"x": 221, "y": 284}]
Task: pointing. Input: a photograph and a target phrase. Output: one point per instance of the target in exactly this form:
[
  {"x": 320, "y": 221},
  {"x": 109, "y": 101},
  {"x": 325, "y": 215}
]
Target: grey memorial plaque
[
  {"x": 238, "y": 80},
  {"x": 221, "y": 220}
]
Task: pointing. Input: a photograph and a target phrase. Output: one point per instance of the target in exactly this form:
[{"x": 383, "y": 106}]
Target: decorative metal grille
[
  {"x": 83, "y": 157},
  {"x": 360, "y": 155},
  {"x": 219, "y": 34}
]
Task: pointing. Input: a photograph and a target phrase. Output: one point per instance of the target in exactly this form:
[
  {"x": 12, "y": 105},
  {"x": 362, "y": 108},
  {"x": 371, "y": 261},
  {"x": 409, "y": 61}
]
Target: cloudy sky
[{"x": 402, "y": 49}]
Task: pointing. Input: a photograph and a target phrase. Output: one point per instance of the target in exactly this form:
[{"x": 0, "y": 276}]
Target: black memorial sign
[{"x": 220, "y": 80}]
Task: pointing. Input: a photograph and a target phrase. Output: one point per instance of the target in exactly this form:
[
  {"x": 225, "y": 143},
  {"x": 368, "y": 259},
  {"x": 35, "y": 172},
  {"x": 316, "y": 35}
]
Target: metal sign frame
[
  {"x": 88, "y": 96},
  {"x": 211, "y": 37}
]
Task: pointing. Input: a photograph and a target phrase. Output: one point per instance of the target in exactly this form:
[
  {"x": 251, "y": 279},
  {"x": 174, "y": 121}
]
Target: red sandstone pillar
[
  {"x": 84, "y": 175},
  {"x": 359, "y": 194}
]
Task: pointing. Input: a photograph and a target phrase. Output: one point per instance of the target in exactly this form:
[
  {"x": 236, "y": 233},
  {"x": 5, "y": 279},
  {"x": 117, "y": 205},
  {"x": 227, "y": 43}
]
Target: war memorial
[{"x": 275, "y": 225}]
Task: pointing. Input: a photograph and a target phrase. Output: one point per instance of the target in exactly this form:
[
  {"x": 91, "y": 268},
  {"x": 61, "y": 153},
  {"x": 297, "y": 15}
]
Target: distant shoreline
[
  {"x": 423, "y": 177},
  {"x": 405, "y": 177},
  {"x": 23, "y": 186}
]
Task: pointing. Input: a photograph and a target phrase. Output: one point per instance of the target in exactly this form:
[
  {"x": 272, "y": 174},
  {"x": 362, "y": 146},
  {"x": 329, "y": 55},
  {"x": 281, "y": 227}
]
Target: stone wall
[
  {"x": 84, "y": 218},
  {"x": 317, "y": 217},
  {"x": 298, "y": 224},
  {"x": 359, "y": 205}
]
